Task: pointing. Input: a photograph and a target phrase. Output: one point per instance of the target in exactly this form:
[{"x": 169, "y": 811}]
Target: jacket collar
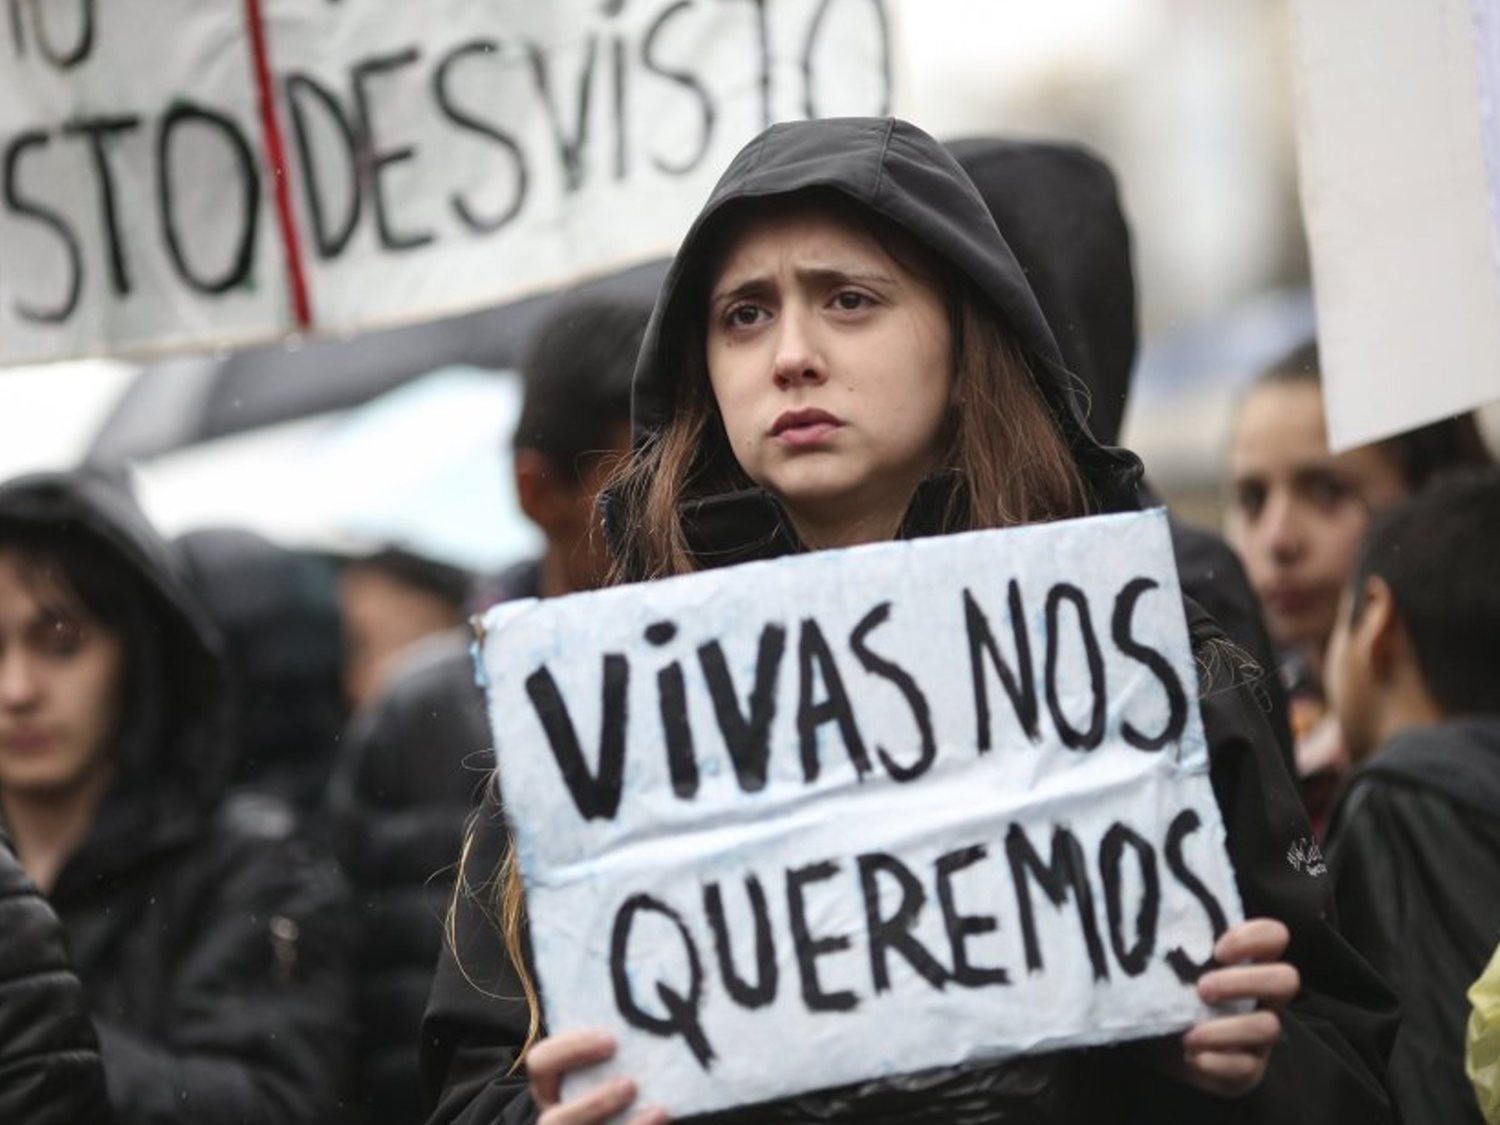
[{"x": 750, "y": 525}]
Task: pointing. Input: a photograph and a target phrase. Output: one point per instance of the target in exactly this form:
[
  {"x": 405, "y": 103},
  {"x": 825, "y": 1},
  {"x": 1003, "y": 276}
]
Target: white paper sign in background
[
  {"x": 191, "y": 173},
  {"x": 1396, "y": 121},
  {"x": 856, "y": 813}
]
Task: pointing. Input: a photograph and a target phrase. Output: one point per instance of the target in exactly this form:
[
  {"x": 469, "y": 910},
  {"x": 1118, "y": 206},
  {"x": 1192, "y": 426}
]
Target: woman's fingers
[
  {"x": 1225, "y": 1073},
  {"x": 655, "y": 1115},
  {"x": 1252, "y": 1031},
  {"x": 1273, "y": 985},
  {"x": 595, "y": 1107},
  {"x": 1227, "y": 1055},
  {"x": 1251, "y": 953},
  {"x": 556, "y": 1055},
  {"x": 1255, "y": 939}
]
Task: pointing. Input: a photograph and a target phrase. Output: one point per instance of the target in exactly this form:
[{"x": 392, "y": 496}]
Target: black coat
[
  {"x": 409, "y": 775},
  {"x": 1330, "y": 1064},
  {"x": 1414, "y": 845},
  {"x": 277, "y": 611},
  {"x": 209, "y": 940},
  {"x": 49, "y": 1059}
]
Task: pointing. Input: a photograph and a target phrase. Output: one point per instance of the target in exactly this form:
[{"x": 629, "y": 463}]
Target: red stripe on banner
[{"x": 276, "y": 152}]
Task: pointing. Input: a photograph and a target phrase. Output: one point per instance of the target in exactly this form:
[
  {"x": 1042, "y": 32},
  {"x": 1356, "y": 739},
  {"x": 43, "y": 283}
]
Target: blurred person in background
[
  {"x": 1414, "y": 838},
  {"x": 277, "y": 611},
  {"x": 1296, "y": 513},
  {"x": 418, "y": 754},
  {"x": 574, "y": 426},
  {"x": 390, "y": 599},
  {"x": 209, "y": 941}
]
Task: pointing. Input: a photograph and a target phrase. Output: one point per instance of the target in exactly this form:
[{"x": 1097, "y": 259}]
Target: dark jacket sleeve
[
  {"x": 1331, "y": 1062},
  {"x": 1212, "y": 575},
  {"x": 49, "y": 1060},
  {"x": 257, "y": 1028},
  {"x": 1415, "y": 884},
  {"x": 477, "y": 1015}
]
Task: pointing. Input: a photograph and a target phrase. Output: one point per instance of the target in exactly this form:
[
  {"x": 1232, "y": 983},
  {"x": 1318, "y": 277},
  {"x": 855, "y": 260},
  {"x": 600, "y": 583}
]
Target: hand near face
[
  {"x": 1227, "y": 1055},
  {"x": 558, "y": 1055}
]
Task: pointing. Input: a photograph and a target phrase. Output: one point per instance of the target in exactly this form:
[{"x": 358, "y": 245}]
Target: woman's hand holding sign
[
  {"x": 556, "y": 1056},
  {"x": 1227, "y": 1056}
]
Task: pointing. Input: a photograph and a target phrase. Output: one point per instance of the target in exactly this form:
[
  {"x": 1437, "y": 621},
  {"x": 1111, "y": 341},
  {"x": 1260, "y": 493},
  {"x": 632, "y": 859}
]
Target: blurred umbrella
[
  {"x": 424, "y": 467},
  {"x": 183, "y": 402}
]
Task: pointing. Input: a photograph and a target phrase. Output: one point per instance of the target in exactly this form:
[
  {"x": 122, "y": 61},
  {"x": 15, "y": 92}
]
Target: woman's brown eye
[
  {"x": 1250, "y": 498},
  {"x": 61, "y": 638},
  {"x": 744, "y": 315},
  {"x": 849, "y": 301}
]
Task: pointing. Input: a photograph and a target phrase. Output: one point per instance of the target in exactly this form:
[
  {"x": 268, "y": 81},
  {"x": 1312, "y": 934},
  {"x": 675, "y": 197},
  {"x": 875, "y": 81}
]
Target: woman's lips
[
  {"x": 802, "y": 428},
  {"x": 25, "y": 741},
  {"x": 1294, "y": 600}
]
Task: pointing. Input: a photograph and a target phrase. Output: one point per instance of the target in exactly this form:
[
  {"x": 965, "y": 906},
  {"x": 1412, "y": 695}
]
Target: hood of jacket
[
  {"x": 1459, "y": 759},
  {"x": 171, "y": 744},
  {"x": 277, "y": 613},
  {"x": 1059, "y": 207},
  {"x": 901, "y": 174}
]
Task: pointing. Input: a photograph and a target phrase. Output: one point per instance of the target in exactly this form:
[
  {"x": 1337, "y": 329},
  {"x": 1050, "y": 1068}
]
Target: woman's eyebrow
[
  {"x": 834, "y": 274},
  {"x": 750, "y": 288},
  {"x": 818, "y": 275}
]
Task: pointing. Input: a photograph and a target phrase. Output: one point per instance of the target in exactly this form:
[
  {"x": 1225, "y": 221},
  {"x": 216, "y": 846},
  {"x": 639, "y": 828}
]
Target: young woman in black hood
[
  {"x": 845, "y": 351},
  {"x": 208, "y": 940}
]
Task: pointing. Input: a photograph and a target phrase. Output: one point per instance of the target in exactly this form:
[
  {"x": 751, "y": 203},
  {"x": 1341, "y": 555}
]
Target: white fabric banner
[
  {"x": 410, "y": 160},
  {"x": 1395, "y": 127},
  {"x": 796, "y": 824}
]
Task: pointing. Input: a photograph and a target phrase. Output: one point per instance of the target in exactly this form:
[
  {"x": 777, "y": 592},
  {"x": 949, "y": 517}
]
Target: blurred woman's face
[
  {"x": 60, "y": 681},
  {"x": 830, "y": 363},
  {"x": 1297, "y": 512}
]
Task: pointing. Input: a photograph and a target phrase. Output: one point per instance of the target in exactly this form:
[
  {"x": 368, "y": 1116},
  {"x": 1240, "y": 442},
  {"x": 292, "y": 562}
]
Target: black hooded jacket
[
  {"x": 1414, "y": 847},
  {"x": 49, "y": 1058},
  {"x": 1329, "y": 1066},
  {"x": 208, "y": 940}
]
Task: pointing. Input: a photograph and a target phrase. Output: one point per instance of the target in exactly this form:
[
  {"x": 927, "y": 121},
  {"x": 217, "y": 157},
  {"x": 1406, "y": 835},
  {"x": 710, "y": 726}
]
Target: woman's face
[
  {"x": 831, "y": 366},
  {"x": 1297, "y": 512},
  {"x": 60, "y": 677}
]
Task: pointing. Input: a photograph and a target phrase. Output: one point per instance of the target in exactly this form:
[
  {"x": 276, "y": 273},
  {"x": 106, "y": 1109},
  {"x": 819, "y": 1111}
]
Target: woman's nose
[
  {"x": 19, "y": 685},
  {"x": 1283, "y": 528},
  {"x": 798, "y": 360}
]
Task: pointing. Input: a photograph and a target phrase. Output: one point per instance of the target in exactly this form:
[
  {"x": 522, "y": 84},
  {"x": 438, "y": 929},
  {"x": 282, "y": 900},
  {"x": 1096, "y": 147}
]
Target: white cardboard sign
[
  {"x": 1396, "y": 128},
  {"x": 796, "y": 824},
  {"x": 195, "y": 173}
]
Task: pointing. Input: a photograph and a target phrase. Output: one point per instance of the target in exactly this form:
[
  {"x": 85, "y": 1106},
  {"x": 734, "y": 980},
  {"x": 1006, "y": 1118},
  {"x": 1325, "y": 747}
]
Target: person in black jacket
[
  {"x": 209, "y": 941},
  {"x": 49, "y": 1058},
  {"x": 845, "y": 294},
  {"x": 415, "y": 759},
  {"x": 1414, "y": 840},
  {"x": 277, "y": 611}
]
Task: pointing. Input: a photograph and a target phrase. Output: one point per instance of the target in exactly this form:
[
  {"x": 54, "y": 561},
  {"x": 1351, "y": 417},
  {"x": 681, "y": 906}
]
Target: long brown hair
[{"x": 1000, "y": 437}]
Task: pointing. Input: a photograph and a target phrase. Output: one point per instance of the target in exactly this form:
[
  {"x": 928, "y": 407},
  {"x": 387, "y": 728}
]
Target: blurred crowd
[{"x": 235, "y": 777}]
